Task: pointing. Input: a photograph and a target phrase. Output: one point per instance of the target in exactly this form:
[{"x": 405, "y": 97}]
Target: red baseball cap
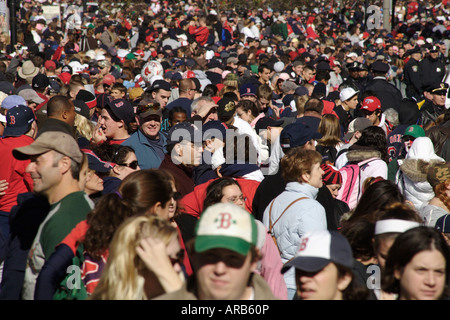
[
  {"x": 371, "y": 104},
  {"x": 65, "y": 77},
  {"x": 109, "y": 79},
  {"x": 188, "y": 74},
  {"x": 49, "y": 64}
]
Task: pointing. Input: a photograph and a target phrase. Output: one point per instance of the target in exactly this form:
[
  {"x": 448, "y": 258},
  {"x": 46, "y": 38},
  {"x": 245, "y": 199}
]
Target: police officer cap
[
  {"x": 438, "y": 88},
  {"x": 352, "y": 65},
  {"x": 412, "y": 51},
  {"x": 379, "y": 66}
]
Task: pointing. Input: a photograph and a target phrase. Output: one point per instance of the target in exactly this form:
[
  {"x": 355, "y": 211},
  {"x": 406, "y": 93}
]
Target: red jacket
[
  {"x": 13, "y": 171},
  {"x": 201, "y": 34},
  {"x": 192, "y": 203}
]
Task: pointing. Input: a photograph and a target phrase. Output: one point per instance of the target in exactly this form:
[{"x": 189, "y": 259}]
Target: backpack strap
[{"x": 271, "y": 225}]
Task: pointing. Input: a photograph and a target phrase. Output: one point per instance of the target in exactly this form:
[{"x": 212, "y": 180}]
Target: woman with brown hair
[{"x": 296, "y": 210}]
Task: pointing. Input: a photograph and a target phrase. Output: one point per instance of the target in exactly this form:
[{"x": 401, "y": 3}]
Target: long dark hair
[{"x": 376, "y": 197}]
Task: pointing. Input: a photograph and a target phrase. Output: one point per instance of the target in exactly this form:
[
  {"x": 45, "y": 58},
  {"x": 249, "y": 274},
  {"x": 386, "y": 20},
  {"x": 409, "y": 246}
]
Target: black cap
[
  {"x": 353, "y": 65},
  {"x": 265, "y": 122},
  {"x": 161, "y": 84},
  {"x": 379, "y": 66},
  {"x": 40, "y": 81}
]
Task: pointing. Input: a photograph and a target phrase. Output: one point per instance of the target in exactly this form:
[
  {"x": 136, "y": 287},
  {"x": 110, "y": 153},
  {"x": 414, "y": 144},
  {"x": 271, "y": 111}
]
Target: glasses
[
  {"x": 179, "y": 257},
  {"x": 236, "y": 199},
  {"x": 132, "y": 165}
]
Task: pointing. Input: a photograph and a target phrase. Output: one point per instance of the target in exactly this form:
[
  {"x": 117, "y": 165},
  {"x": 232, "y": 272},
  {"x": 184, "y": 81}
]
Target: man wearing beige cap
[{"x": 55, "y": 166}]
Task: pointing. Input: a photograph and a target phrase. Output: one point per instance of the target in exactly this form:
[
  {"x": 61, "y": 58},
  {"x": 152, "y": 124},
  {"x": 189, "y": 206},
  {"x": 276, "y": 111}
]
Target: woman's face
[
  {"x": 172, "y": 203},
  {"x": 94, "y": 183},
  {"x": 125, "y": 170},
  {"x": 322, "y": 285},
  {"x": 334, "y": 189},
  {"x": 314, "y": 178},
  {"x": 423, "y": 278},
  {"x": 234, "y": 195},
  {"x": 246, "y": 116}
]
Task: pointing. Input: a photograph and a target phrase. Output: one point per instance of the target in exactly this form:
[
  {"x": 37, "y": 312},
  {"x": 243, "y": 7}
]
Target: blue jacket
[
  {"x": 149, "y": 153},
  {"x": 303, "y": 216}
]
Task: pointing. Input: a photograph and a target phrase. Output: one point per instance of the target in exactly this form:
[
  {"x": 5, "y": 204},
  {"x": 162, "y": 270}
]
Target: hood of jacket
[
  {"x": 416, "y": 169},
  {"x": 360, "y": 154}
]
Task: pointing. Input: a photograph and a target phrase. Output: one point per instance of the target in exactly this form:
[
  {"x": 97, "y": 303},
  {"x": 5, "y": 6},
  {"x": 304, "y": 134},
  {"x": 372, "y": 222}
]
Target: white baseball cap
[{"x": 347, "y": 93}]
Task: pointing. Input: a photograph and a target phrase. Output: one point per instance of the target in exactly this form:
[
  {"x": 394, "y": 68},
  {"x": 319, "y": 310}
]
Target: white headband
[{"x": 394, "y": 225}]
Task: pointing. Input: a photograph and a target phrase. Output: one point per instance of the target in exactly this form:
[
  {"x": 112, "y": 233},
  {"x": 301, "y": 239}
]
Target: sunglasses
[
  {"x": 132, "y": 165},
  {"x": 151, "y": 106},
  {"x": 179, "y": 257}
]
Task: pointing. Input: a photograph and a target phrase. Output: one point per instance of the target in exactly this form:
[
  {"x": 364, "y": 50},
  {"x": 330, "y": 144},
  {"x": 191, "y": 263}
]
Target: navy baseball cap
[
  {"x": 318, "y": 248},
  {"x": 214, "y": 129},
  {"x": 296, "y": 134},
  {"x": 18, "y": 121},
  {"x": 122, "y": 109},
  {"x": 265, "y": 122},
  {"x": 95, "y": 163}
]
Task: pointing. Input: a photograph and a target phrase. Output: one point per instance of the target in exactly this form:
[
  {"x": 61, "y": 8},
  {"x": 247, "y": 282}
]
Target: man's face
[
  {"x": 222, "y": 274},
  {"x": 162, "y": 96},
  {"x": 178, "y": 117},
  {"x": 71, "y": 114},
  {"x": 45, "y": 172},
  {"x": 116, "y": 94},
  {"x": 439, "y": 98},
  {"x": 416, "y": 56},
  {"x": 307, "y": 74},
  {"x": 434, "y": 54},
  {"x": 372, "y": 116},
  {"x": 150, "y": 125},
  {"x": 108, "y": 125},
  {"x": 265, "y": 75},
  {"x": 191, "y": 153},
  {"x": 298, "y": 69}
]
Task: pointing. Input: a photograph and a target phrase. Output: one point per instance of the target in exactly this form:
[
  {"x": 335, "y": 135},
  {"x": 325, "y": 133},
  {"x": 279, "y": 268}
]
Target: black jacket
[{"x": 389, "y": 95}]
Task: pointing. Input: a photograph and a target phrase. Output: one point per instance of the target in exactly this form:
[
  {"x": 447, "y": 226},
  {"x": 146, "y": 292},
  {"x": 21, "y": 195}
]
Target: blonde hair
[
  {"x": 84, "y": 126},
  {"x": 123, "y": 276}
]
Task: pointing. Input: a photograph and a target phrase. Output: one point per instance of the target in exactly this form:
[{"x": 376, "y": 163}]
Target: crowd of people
[{"x": 178, "y": 150}]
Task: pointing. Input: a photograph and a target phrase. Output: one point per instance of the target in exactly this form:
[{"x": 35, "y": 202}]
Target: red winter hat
[
  {"x": 331, "y": 175},
  {"x": 371, "y": 104}
]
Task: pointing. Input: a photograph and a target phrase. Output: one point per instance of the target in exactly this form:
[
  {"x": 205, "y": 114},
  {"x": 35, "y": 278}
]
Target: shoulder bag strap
[{"x": 271, "y": 225}]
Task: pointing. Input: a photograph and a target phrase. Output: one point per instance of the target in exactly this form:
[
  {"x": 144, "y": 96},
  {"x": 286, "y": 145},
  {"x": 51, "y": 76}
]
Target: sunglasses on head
[
  {"x": 147, "y": 107},
  {"x": 132, "y": 165}
]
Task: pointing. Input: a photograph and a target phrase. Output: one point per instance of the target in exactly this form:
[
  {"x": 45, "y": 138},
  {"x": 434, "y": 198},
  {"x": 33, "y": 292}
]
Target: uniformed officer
[
  {"x": 353, "y": 75},
  {"x": 431, "y": 68},
  {"x": 389, "y": 95},
  {"x": 411, "y": 74},
  {"x": 434, "y": 106}
]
